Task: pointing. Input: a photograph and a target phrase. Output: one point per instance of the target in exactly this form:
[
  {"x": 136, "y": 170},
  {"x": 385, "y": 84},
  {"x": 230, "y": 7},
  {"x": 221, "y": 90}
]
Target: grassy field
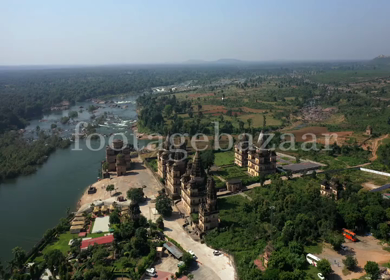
[
  {"x": 230, "y": 172},
  {"x": 224, "y": 158},
  {"x": 360, "y": 177},
  {"x": 61, "y": 243}
]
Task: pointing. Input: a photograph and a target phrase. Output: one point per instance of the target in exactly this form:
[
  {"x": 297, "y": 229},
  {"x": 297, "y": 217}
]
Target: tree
[
  {"x": 241, "y": 125},
  {"x": 141, "y": 233},
  {"x": 105, "y": 166},
  {"x": 249, "y": 122},
  {"x": 187, "y": 259},
  {"x": 110, "y": 188},
  {"x": 136, "y": 195},
  {"x": 163, "y": 205},
  {"x": 2, "y": 272},
  {"x": 114, "y": 217},
  {"x": 384, "y": 231},
  {"x": 374, "y": 215},
  {"x": 372, "y": 268},
  {"x": 19, "y": 257},
  {"x": 350, "y": 262},
  {"x": 337, "y": 241},
  {"x": 262, "y": 179},
  {"x": 207, "y": 158},
  {"x": 168, "y": 110},
  {"x": 324, "y": 267},
  {"x": 73, "y": 114},
  {"x": 54, "y": 259},
  {"x": 160, "y": 223}
]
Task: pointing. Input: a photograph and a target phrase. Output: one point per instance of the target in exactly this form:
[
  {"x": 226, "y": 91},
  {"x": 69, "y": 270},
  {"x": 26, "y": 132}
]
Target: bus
[
  {"x": 311, "y": 259},
  {"x": 349, "y": 235}
]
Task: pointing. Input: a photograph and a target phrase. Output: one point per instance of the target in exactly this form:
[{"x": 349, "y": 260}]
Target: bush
[
  {"x": 372, "y": 268},
  {"x": 350, "y": 262},
  {"x": 324, "y": 267},
  {"x": 136, "y": 195}
]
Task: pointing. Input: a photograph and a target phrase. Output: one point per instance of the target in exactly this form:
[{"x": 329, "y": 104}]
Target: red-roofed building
[{"x": 104, "y": 240}]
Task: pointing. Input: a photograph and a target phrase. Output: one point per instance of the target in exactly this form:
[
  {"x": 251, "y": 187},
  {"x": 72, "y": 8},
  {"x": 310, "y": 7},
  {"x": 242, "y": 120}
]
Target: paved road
[
  {"x": 210, "y": 267},
  {"x": 219, "y": 266}
]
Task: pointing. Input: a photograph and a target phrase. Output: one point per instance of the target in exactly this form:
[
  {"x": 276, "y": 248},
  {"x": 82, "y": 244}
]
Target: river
[{"x": 29, "y": 205}]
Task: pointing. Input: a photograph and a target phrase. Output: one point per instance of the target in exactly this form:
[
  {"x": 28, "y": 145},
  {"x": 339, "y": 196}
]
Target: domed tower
[
  {"x": 208, "y": 211},
  {"x": 241, "y": 150},
  {"x": 193, "y": 189},
  {"x": 196, "y": 168},
  {"x": 120, "y": 165},
  {"x": 262, "y": 160}
]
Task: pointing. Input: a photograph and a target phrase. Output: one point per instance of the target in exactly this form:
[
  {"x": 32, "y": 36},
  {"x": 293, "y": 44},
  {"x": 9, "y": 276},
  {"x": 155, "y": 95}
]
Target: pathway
[{"x": 375, "y": 146}]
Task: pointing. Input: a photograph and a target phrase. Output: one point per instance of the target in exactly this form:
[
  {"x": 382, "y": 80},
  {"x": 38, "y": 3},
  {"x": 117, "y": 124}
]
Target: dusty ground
[
  {"x": 135, "y": 178},
  {"x": 375, "y": 145},
  {"x": 318, "y": 131},
  {"x": 165, "y": 267},
  {"x": 370, "y": 186},
  {"x": 367, "y": 249}
]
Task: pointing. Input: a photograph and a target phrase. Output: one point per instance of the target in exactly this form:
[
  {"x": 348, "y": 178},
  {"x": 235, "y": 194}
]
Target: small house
[{"x": 234, "y": 185}]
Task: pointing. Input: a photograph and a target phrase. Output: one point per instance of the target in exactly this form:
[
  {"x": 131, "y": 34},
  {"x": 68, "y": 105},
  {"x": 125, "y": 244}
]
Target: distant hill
[
  {"x": 219, "y": 61},
  {"x": 382, "y": 59}
]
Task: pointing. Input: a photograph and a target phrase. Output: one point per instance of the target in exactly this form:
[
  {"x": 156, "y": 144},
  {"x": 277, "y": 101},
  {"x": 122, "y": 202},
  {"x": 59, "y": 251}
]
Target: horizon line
[{"x": 223, "y": 61}]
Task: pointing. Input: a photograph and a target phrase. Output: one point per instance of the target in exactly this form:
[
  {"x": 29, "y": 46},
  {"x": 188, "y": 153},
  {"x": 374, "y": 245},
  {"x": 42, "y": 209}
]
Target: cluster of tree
[
  {"x": 291, "y": 214},
  {"x": 164, "y": 205},
  {"x": 19, "y": 156},
  {"x": 136, "y": 194},
  {"x": 348, "y": 150}
]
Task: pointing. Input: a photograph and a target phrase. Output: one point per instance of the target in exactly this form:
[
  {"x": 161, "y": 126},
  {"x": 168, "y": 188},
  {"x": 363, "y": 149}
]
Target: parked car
[
  {"x": 344, "y": 248},
  {"x": 151, "y": 270},
  {"x": 321, "y": 276},
  {"x": 216, "y": 253},
  {"x": 192, "y": 253}
]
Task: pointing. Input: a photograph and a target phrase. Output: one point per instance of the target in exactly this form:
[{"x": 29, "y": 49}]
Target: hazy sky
[{"x": 125, "y": 31}]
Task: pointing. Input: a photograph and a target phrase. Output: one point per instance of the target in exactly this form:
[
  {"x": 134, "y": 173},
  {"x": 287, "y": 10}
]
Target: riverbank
[{"x": 144, "y": 136}]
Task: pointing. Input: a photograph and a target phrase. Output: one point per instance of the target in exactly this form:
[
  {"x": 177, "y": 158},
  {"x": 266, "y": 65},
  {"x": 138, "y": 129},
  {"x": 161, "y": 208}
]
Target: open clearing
[
  {"x": 366, "y": 249},
  {"x": 319, "y": 132}
]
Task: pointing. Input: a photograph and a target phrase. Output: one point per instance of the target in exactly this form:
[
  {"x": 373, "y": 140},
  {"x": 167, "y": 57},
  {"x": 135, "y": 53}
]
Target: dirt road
[{"x": 375, "y": 145}]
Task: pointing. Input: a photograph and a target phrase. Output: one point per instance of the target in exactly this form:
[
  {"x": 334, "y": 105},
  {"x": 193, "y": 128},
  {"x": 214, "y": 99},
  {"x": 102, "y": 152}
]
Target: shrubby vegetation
[
  {"x": 291, "y": 214},
  {"x": 17, "y": 156}
]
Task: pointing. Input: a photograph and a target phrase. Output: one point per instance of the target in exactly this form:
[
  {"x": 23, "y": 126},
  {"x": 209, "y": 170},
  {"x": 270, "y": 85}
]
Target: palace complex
[
  {"x": 186, "y": 179},
  {"x": 257, "y": 158}
]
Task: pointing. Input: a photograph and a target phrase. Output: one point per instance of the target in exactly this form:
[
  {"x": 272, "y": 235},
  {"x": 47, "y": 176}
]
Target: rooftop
[
  {"x": 173, "y": 250},
  {"x": 300, "y": 167},
  {"x": 99, "y": 240}
]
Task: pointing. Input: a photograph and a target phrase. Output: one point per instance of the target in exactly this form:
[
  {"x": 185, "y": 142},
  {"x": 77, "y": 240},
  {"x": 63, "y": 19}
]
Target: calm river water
[{"x": 32, "y": 204}]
